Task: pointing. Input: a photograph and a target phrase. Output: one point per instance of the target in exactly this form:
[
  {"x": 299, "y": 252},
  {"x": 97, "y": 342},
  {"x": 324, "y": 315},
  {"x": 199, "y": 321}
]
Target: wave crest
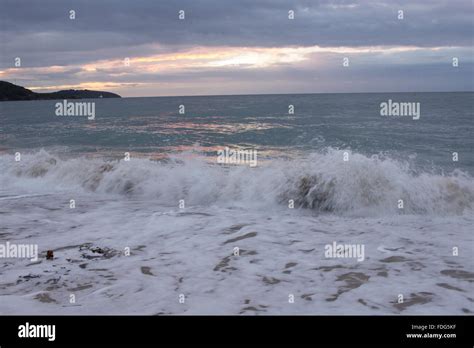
[{"x": 323, "y": 182}]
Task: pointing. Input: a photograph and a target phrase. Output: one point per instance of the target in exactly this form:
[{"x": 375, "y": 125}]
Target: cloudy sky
[{"x": 143, "y": 48}]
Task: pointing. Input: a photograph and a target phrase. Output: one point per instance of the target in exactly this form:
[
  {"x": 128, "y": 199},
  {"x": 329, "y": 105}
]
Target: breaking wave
[{"x": 322, "y": 182}]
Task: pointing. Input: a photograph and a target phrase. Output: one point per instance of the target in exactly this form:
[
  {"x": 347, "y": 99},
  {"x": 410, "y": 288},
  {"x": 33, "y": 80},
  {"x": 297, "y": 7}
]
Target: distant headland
[{"x": 10, "y": 91}]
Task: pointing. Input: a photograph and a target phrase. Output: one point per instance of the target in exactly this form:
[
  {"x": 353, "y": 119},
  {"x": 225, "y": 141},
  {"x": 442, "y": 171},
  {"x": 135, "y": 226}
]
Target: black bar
[{"x": 288, "y": 330}]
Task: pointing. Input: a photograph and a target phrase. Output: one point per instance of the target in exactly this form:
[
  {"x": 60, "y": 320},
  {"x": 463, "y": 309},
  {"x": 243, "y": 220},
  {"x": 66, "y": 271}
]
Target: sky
[{"x": 143, "y": 48}]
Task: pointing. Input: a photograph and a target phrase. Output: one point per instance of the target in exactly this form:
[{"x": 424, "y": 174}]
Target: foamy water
[
  {"x": 190, "y": 251},
  {"x": 323, "y": 182},
  {"x": 158, "y": 234}
]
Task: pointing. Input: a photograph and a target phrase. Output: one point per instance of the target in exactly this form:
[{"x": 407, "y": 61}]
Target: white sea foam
[
  {"x": 134, "y": 206},
  {"x": 191, "y": 252},
  {"x": 362, "y": 186}
]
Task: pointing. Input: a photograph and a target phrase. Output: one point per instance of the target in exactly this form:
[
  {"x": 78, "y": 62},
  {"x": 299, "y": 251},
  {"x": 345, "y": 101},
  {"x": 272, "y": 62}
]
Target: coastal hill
[{"x": 10, "y": 91}]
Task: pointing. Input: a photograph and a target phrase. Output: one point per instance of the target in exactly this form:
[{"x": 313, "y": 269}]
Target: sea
[{"x": 341, "y": 210}]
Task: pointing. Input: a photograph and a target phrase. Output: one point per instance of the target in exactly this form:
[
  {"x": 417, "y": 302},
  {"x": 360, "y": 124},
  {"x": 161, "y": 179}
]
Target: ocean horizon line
[
  {"x": 260, "y": 94},
  {"x": 270, "y": 94}
]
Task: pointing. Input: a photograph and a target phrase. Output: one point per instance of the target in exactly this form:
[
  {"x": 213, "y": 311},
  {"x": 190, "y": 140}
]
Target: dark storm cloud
[{"x": 42, "y": 31}]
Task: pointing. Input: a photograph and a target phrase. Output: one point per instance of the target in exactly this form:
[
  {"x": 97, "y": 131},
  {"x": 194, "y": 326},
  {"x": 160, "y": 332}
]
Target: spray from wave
[{"x": 362, "y": 186}]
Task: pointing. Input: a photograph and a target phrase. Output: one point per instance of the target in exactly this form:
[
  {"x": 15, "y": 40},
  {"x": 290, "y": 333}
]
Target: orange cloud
[{"x": 197, "y": 58}]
